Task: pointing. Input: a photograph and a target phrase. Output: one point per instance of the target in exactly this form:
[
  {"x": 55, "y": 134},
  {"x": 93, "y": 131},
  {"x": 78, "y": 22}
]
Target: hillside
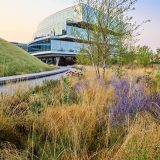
[{"x": 14, "y": 61}]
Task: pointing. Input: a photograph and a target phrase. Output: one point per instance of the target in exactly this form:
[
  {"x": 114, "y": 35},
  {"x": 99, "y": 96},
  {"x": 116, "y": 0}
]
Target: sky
[{"x": 20, "y": 18}]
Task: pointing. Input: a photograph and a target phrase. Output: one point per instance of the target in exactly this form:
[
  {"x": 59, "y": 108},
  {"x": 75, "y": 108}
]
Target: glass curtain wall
[
  {"x": 66, "y": 46},
  {"x": 40, "y": 46}
]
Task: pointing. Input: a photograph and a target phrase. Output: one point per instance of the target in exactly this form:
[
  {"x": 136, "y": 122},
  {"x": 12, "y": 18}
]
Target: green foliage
[
  {"x": 108, "y": 27},
  {"x": 14, "y": 60},
  {"x": 49, "y": 86},
  {"x": 67, "y": 91},
  {"x": 158, "y": 50},
  {"x": 84, "y": 59},
  {"x": 45, "y": 96},
  {"x": 157, "y": 78},
  {"x": 128, "y": 58},
  {"x": 69, "y": 94},
  {"x": 119, "y": 71},
  {"x": 121, "y": 53},
  {"x": 158, "y": 74},
  {"x": 157, "y": 56},
  {"x": 143, "y": 56},
  {"x": 36, "y": 107}
]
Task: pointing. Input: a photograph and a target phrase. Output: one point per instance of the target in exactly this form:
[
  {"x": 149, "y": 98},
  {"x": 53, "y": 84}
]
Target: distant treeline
[{"x": 142, "y": 56}]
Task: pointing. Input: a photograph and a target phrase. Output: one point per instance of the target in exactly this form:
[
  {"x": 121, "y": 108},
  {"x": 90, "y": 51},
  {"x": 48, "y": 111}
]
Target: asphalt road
[{"x": 11, "y": 88}]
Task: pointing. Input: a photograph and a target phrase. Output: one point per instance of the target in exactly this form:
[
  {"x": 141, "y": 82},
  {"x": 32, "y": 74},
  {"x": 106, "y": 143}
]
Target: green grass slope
[{"x": 14, "y": 61}]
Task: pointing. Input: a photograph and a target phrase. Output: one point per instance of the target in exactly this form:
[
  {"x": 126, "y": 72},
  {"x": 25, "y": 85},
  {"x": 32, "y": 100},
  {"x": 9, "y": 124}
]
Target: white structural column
[{"x": 57, "y": 61}]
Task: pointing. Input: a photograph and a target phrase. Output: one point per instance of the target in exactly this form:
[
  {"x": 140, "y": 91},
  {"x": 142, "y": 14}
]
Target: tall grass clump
[{"x": 88, "y": 118}]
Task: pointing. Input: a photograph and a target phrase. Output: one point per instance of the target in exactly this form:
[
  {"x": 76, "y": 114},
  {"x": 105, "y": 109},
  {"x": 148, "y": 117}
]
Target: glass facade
[
  {"x": 57, "y": 32},
  {"x": 76, "y": 32},
  {"x": 63, "y": 31},
  {"x": 66, "y": 46},
  {"x": 39, "y": 46},
  {"x": 55, "y": 24}
]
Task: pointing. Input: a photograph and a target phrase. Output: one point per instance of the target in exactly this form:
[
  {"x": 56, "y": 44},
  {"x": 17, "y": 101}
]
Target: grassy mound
[{"x": 14, "y": 61}]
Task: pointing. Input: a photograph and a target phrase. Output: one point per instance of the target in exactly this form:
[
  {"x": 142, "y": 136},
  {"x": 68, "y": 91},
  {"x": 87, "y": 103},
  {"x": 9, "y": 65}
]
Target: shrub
[
  {"x": 143, "y": 56},
  {"x": 131, "y": 99}
]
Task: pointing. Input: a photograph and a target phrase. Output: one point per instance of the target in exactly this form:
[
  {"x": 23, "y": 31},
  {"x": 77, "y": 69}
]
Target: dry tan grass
[
  {"x": 142, "y": 141},
  {"x": 137, "y": 71},
  {"x": 77, "y": 130},
  {"x": 9, "y": 152},
  {"x": 96, "y": 96},
  {"x": 90, "y": 73}
]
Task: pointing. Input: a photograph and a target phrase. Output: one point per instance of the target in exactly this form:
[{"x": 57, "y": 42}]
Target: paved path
[
  {"x": 9, "y": 85},
  {"x": 13, "y": 79}
]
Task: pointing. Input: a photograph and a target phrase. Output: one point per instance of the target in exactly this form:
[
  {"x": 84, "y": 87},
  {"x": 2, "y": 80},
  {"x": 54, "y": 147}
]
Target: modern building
[
  {"x": 55, "y": 40},
  {"x": 62, "y": 35}
]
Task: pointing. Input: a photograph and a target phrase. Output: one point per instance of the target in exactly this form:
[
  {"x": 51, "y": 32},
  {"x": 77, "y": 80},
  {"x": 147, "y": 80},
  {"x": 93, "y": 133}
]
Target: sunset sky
[{"x": 20, "y": 18}]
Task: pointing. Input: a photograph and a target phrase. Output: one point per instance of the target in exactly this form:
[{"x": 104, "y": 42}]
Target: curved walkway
[
  {"x": 13, "y": 79},
  {"x": 9, "y": 85}
]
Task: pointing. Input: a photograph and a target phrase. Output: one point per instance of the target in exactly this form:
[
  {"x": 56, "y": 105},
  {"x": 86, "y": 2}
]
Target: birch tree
[{"x": 108, "y": 29}]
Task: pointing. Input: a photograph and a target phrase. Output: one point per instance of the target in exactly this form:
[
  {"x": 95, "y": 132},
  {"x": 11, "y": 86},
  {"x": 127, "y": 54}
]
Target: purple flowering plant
[
  {"x": 131, "y": 99},
  {"x": 80, "y": 86}
]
